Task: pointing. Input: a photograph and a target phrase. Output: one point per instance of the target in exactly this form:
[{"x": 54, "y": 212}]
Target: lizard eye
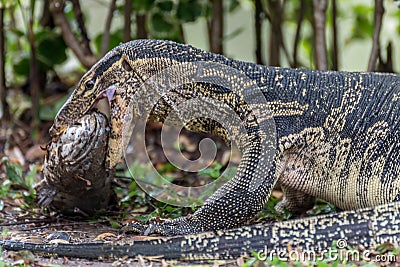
[
  {"x": 89, "y": 85},
  {"x": 126, "y": 66}
]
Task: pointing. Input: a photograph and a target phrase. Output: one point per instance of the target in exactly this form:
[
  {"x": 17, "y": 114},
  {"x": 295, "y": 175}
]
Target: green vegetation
[{"x": 18, "y": 185}]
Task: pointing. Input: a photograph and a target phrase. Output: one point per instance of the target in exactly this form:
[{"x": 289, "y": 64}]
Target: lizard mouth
[
  {"x": 109, "y": 94},
  {"x": 62, "y": 119}
]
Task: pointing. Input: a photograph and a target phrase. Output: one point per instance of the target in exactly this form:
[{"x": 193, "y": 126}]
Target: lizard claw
[
  {"x": 55, "y": 131},
  {"x": 170, "y": 227},
  {"x": 166, "y": 227},
  {"x": 134, "y": 227}
]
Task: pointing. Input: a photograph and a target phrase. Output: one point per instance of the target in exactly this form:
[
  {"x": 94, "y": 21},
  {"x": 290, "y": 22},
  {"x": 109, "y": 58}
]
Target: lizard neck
[{"x": 298, "y": 98}]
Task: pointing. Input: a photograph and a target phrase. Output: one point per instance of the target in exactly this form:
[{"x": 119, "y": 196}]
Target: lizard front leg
[
  {"x": 238, "y": 200},
  {"x": 121, "y": 122},
  {"x": 232, "y": 205}
]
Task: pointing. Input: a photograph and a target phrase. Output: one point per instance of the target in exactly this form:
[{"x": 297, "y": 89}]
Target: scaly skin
[
  {"x": 336, "y": 132},
  {"x": 362, "y": 229}
]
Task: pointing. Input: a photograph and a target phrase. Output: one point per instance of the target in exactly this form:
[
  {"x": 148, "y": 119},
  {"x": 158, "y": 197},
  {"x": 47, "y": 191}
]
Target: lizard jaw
[
  {"x": 58, "y": 128},
  {"x": 108, "y": 93}
]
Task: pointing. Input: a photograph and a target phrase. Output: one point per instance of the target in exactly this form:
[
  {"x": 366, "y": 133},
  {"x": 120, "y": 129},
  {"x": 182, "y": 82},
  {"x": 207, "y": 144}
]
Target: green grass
[{"x": 18, "y": 184}]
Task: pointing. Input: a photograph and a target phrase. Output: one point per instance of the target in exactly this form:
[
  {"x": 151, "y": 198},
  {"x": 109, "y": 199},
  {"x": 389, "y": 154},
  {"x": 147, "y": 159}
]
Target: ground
[
  {"x": 21, "y": 219},
  {"x": 22, "y": 149}
]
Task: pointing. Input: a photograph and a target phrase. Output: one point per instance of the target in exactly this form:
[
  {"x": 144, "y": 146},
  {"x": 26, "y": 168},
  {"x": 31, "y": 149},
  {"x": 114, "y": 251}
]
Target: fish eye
[{"x": 89, "y": 85}]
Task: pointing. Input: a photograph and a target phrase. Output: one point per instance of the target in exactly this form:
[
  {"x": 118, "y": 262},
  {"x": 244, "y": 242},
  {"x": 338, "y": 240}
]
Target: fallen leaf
[{"x": 103, "y": 236}]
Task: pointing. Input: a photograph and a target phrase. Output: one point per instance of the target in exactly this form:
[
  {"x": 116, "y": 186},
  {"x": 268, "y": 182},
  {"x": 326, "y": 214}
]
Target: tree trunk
[
  {"x": 127, "y": 20},
  {"x": 3, "y": 108},
  {"x": 258, "y": 25},
  {"x": 300, "y": 19},
  {"x": 386, "y": 65},
  {"x": 216, "y": 27},
  {"x": 335, "y": 46},
  {"x": 82, "y": 28},
  {"x": 46, "y": 20},
  {"x": 378, "y": 16},
  {"x": 105, "y": 42},
  {"x": 275, "y": 38},
  {"x": 57, "y": 10},
  {"x": 34, "y": 81},
  {"x": 321, "y": 55},
  {"x": 141, "y": 31}
]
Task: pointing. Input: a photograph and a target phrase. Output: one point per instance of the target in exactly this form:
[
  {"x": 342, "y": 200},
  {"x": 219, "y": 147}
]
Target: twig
[
  {"x": 82, "y": 28},
  {"x": 53, "y": 223},
  {"x": 181, "y": 33},
  {"x": 127, "y": 20},
  {"x": 321, "y": 57},
  {"x": 142, "y": 181},
  {"x": 46, "y": 20},
  {"x": 105, "y": 42},
  {"x": 378, "y": 16},
  {"x": 386, "y": 66},
  {"x": 34, "y": 83},
  {"x": 25, "y": 222},
  {"x": 57, "y": 10},
  {"x": 296, "y": 41}
]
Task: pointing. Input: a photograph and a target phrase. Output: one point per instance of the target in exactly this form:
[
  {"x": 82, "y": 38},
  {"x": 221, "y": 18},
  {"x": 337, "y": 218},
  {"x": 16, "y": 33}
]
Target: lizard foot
[
  {"x": 134, "y": 227},
  {"x": 166, "y": 227},
  {"x": 169, "y": 227}
]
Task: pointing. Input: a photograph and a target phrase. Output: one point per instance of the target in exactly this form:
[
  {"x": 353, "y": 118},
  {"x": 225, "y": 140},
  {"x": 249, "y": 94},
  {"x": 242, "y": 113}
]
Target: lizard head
[
  {"x": 101, "y": 81},
  {"x": 126, "y": 67}
]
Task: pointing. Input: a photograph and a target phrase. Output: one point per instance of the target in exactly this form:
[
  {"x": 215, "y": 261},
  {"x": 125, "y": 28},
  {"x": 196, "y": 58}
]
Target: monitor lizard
[
  {"x": 336, "y": 139},
  {"x": 336, "y": 132},
  {"x": 359, "y": 232}
]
